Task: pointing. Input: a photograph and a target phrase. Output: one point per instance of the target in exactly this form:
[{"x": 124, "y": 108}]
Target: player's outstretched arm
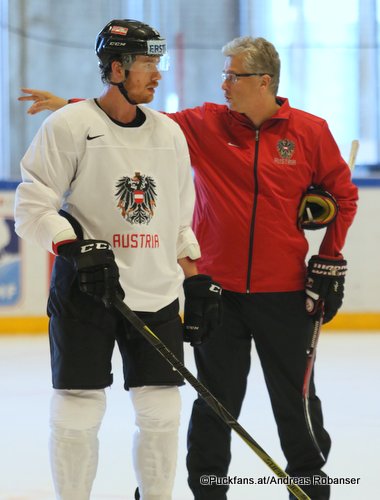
[{"x": 43, "y": 100}]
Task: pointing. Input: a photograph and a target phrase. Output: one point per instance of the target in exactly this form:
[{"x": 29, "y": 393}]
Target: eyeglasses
[{"x": 233, "y": 77}]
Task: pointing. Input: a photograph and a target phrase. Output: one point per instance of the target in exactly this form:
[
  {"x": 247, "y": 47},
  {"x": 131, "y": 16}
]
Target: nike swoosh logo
[
  {"x": 90, "y": 138},
  {"x": 234, "y": 145}
]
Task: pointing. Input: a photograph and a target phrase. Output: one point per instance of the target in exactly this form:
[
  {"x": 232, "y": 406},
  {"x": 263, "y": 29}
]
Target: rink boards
[{"x": 25, "y": 269}]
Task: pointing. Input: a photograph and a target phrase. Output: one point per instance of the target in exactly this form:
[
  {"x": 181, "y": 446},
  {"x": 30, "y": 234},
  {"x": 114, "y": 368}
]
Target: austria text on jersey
[{"x": 135, "y": 240}]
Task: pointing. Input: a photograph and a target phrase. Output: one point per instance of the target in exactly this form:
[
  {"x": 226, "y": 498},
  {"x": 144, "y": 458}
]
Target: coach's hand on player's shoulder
[
  {"x": 202, "y": 313},
  {"x": 94, "y": 261},
  {"x": 42, "y": 100},
  {"x": 325, "y": 285}
]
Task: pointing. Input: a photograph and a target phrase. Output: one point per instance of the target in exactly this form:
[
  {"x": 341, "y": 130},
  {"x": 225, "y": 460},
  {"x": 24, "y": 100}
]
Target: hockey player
[
  {"x": 254, "y": 159},
  {"x": 107, "y": 187}
]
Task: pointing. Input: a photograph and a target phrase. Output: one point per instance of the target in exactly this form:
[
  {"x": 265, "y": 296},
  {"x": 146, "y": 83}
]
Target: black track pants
[{"x": 281, "y": 330}]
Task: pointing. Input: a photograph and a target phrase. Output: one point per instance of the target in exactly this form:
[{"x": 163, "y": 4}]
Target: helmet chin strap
[{"x": 123, "y": 90}]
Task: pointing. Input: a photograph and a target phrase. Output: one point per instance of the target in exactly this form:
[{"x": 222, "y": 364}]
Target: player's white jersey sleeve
[
  {"x": 47, "y": 170},
  {"x": 187, "y": 244}
]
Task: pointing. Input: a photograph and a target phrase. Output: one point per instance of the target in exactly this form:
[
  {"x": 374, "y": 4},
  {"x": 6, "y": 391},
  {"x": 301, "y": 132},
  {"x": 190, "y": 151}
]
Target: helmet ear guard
[{"x": 317, "y": 209}]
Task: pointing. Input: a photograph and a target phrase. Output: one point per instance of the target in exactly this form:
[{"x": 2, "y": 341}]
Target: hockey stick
[
  {"x": 218, "y": 408},
  {"x": 311, "y": 351},
  {"x": 353, "y": 154}
]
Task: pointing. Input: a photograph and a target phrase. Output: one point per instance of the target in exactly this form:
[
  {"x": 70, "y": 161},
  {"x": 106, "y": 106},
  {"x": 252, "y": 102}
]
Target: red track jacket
[{"x": 249, "y": 184}]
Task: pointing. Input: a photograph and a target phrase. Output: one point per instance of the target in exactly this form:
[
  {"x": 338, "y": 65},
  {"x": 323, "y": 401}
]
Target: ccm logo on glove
[
  {"x": 97, "y": 245},
  {"x": 94, "y": 261},
  {"x": 202, "y": 308},
  {"x": 215, "y": 288}
]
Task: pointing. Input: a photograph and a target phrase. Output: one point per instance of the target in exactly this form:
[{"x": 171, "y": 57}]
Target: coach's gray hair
[{"x": 260, "y": 57}]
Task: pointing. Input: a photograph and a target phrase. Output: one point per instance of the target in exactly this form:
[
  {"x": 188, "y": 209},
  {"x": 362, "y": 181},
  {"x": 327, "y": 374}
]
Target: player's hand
[
  {"x": 202, "y": 308},
  {"x": 325, "y": 283},
  {"x": 43, "y": 100},
  {"x": 94, "y": 261}
]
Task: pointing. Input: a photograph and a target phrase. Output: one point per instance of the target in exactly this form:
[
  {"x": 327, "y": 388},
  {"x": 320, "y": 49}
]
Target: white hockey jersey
[{"x": 130, "y": 186}]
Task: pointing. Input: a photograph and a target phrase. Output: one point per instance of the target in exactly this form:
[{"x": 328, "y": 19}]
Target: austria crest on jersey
[
  {"x": 136, "y": 198},
  {"x": 285, "y": 148},
  {"x": 139, "y": 196}
]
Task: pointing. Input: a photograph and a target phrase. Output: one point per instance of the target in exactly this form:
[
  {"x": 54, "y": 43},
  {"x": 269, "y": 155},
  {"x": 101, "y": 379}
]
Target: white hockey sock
[
  {"x": 156, "y": 440},
  {"x": 75, "y": 418}
]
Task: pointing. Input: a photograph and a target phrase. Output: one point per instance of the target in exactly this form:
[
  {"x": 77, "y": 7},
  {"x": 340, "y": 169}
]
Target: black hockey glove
[
  {"x": 325, "y": 284},
  {"x": 94, "y": 261},
  {"x": 202, "y": 308}
]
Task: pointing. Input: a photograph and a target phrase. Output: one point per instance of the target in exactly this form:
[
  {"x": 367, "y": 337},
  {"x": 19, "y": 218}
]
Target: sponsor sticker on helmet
[
  {"x": 156, "y": 47},
  {"x": 119, "y": 30}
]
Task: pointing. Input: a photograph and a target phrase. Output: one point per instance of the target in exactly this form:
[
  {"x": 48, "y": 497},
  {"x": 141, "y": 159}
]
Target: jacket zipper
[{"x": 254, "y": 207}]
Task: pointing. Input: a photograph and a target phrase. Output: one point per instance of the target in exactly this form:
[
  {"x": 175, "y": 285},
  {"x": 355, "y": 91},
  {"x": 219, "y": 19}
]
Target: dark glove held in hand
[
  {"x": 94, "y": 261},
  {"x": 325, "y": 283},
  {"x": 202, "y": 308}
]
